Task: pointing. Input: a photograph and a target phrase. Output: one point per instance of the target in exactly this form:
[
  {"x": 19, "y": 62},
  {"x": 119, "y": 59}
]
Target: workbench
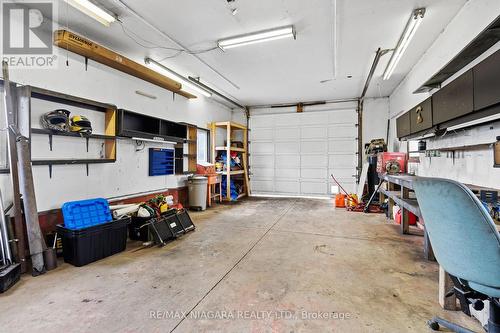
[
  {"x": 401, "y": 197},
  {"x": 398, "y": 191}
]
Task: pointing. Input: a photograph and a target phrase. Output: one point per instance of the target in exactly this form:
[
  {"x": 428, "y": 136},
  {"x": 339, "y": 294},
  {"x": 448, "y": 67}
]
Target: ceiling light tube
[
  {"x": 93, "y": 10},
  {"x": 410, "y": 29},
  {"x": 186, "y": 84},
  {"x": 257, "y": 37}
]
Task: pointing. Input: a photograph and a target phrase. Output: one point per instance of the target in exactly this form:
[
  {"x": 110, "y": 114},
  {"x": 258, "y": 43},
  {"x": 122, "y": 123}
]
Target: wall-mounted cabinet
[
  {"x": 473, "y": 95},
  {"x": 487, "y": 82},
  {"x": 131, "y": 124},
  {"x": 421, "y": 116},
  {"x": 455, "y": 99},
  {"x": 403, "y": 125}
]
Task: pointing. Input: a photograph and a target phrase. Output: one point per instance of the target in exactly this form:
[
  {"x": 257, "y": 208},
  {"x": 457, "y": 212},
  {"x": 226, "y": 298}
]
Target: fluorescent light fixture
[
  {"x": 257, "y": 37},
  {"x": 93, "y": 10},
  {"x": 411, "y": 27},
  {"x": 186, "y": 84}
]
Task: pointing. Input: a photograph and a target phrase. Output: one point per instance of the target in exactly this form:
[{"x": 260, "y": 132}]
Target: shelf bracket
[
  {"x": 50, "y": 141},
  {"x": 86, "y": 63},
  {"x": 87, "y": 166},
  {"x": 87, "y": 143},
  {"x": 50, "y": 171}
]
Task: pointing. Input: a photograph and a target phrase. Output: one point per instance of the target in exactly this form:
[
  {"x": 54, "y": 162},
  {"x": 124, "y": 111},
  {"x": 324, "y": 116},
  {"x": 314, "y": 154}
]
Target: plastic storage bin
[
  {"x": 83, "y": 246},
  {"x": 86, "y": 213}
]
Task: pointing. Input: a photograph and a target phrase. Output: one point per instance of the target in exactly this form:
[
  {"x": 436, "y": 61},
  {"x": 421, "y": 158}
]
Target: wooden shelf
[
  {"x": 408, "y": 204},
  {"x": 234, "y": 126},
  {"x": 70, "y": 161},
  {"x": 72, "y": 134},
  {"x": 228, "y": 137},
  {"x": 236, "y": 172},
  {"x": 231, "y": 149}
]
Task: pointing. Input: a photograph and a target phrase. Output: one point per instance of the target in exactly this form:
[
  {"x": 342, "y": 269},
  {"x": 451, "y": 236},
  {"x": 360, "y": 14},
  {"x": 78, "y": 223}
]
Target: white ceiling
[{"x": 280, "y": 71}]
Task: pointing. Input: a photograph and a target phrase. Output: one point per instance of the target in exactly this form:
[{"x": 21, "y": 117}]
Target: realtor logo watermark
[{"x": 27, "y": 30}]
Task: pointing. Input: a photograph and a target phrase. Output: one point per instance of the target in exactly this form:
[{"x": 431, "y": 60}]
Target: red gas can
[{"x": 412, "y": 219}]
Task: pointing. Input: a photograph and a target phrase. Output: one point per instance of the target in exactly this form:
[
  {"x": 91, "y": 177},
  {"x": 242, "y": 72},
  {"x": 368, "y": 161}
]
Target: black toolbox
[
  {"x": 138, "y": 229},
  {"x": 170, "y": 225},
  {"x": 83, "y": 246},
  {"x": 9, "y": 275}
]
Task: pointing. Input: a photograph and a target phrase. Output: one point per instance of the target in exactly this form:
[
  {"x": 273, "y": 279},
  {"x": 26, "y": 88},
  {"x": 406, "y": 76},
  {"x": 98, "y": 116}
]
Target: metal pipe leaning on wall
[
  {"x": 10, "y": 119},
  {"x": 4, "y": 235},
  {"x": 35, "y": 239}
]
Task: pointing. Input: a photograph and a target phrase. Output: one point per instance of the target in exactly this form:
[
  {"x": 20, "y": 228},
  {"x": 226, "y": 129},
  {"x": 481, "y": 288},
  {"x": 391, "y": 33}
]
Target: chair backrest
[{"x": 462, "y": 233}]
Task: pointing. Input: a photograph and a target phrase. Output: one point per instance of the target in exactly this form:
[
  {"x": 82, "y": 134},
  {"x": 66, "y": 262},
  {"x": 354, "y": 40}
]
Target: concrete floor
[{"x": 262, "y": 265}]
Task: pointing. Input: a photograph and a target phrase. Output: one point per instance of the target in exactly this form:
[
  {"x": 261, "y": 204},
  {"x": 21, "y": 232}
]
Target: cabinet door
[
  {"x": 421, "y": 116},
  {"x": 487, "y": 82},
  {"x": 403, "y": 125},
  {"x": 454, "y": 100}
]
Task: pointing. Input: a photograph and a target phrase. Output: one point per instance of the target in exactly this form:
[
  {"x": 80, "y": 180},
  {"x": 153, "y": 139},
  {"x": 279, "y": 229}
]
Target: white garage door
[{"x": 295, "y": 153}]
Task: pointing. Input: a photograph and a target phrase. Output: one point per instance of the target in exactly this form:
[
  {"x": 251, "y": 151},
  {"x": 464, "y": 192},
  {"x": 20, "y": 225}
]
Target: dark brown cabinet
[
  {"x": 421, "y": 116},
  {"x": 487, "y": 82},
  {"x": 403, "y": 125},
  {"x": 454, "y": 100}
]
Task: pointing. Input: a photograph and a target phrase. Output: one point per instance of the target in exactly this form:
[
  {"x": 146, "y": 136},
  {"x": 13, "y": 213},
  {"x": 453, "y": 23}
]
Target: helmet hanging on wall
[
  {"x": 57, "y": 120},
  {"x": 80, "y": 124}
]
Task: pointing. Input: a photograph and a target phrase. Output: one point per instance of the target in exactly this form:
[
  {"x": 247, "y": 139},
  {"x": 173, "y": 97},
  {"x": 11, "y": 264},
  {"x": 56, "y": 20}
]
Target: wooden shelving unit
[
  {"x": 192, "y": 147},
  {"x": 26, "y": 94},
  {"x": 231, "y": 130}
]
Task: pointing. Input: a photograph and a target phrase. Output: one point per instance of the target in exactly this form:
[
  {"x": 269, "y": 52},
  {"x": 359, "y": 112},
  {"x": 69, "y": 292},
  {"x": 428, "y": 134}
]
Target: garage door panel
[
  {"x": 286, "y": 148},
  {"x": 303, "y": 149},
  {"x": 286, "y": 120},
  {"x": 313, "y": 188},
  {"x": 343, "y": 117},
  {"x": 288, "y": 174},
  {"x": 342, "y": 146},
  {"x": 262, "y": 134},
  {"x": 262, "y": 148},
  {"x": 262, "y": 185},
  {"x": 342, "y": 131},
  {"x": 314, "y": 118},
  {"x": 262, "y": 121},
  {"x": 313, "y": 161},
  {"x": 343, "y": 160},
  {"x": 287, "y": 134},
  {"x": 287, "y": 161},
  {"x": 349, "y": 184},
  {"x": 342, "y": 173},
  {"x": 313, "y": 132},
  {"x": 287, "y": 186},
  {"x": 263, "y": 173},
  {"x": 313, "y": 147},
  {"x": 316, "y": 173},
  {"x": 262, "y": 161}
]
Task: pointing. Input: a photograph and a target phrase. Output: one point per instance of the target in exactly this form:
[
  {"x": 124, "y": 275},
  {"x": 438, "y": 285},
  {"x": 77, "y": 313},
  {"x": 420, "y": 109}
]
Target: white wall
[
  {"x": 474, "y": 17},
  {"x": 129, "y": 174},
  {"x": 375, "y": 116}
]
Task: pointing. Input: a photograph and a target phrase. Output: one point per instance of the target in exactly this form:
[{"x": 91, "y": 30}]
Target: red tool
[
  {"x": 347, "y": 194},
  {"x": 358, "y": 206}
]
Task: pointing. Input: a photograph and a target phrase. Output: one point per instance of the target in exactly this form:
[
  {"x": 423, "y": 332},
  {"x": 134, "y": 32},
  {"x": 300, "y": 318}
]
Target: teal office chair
[{"x": 466, "y": 243}]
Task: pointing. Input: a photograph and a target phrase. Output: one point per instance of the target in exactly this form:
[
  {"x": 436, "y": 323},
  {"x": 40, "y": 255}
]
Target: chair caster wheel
[{"x": 433, "y": 325}]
